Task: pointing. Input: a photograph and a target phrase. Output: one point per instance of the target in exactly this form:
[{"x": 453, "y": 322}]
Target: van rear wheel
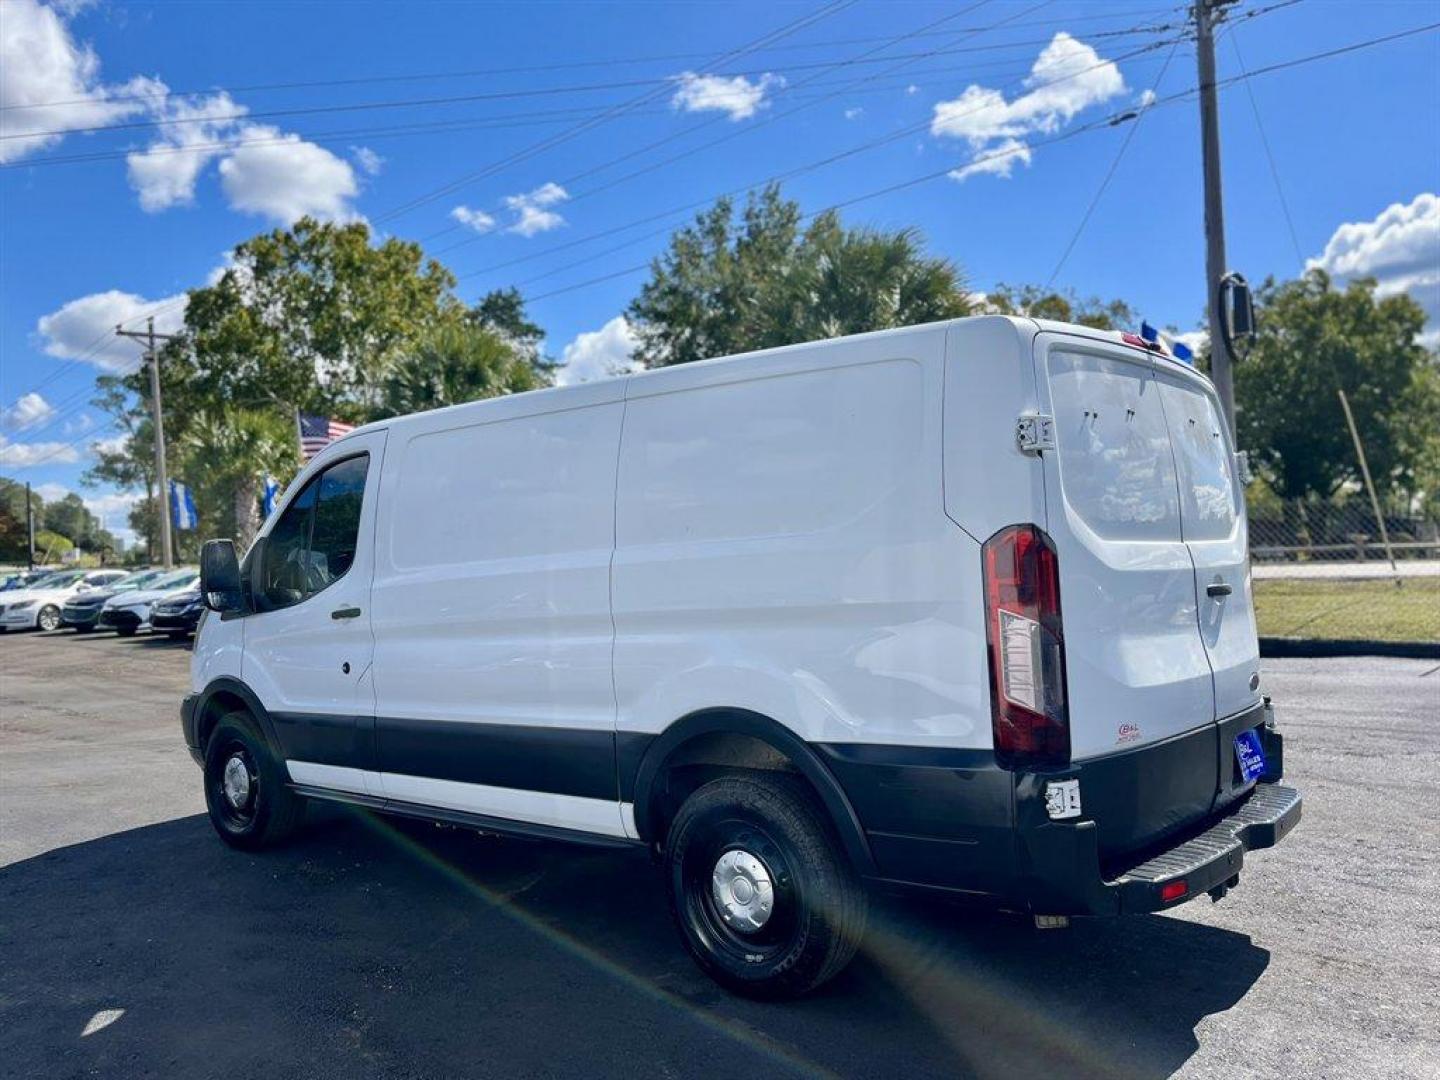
[
  {"x": 251, "y": 806},
  {"x": 764, "y": 899}
]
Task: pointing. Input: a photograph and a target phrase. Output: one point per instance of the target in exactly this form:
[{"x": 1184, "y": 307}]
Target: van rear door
[
  {"x": 1137, "y": 671},
  {"x": 1212, "y": 516}
]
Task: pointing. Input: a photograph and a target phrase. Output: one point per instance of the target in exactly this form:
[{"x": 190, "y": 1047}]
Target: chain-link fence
[
  {"x": 1322, "y": 569},
  {"x": 1340, "y": 530}
]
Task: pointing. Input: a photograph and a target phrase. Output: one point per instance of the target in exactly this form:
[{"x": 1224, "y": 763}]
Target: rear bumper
[
  {"x": 958, "y": 822},
  {"x": 1062, "y": 862}
]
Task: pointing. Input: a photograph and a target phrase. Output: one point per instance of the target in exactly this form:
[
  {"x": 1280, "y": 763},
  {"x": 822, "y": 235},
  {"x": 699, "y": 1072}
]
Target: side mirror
[
  {"x": 1237, "y": 310},
  {"x": 220, "y": 577}
]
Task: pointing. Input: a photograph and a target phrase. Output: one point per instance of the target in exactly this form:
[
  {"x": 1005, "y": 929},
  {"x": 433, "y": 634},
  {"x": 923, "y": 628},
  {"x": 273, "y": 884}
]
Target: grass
[{"x": 1373, "y": 609}]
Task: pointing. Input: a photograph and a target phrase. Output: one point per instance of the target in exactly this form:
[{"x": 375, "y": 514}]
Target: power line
[
  {"x": 426, "y": 76},
  {"x": 1170, "y": 99},
  {"x": 831, "y": 159},
  {"x": 1135, "y": 117},
  {"x": 774, "y": 118},
  {"x": 1269, "y": 154},
  {"x": 619, "y": 110}
]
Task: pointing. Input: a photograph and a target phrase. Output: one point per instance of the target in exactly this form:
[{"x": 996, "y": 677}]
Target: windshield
[
  {"x": 59, "y": 581},
  {"x": 177, "y": 579},
  {"x": 138, "y": 580}
]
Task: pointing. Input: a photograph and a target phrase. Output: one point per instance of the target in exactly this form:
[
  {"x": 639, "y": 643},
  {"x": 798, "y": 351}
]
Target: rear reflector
[
  {"x": 1173, "y": 890},
  {"x": 1029, "y": 715}
]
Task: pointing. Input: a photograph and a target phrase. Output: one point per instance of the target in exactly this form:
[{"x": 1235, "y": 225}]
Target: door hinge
[{"x": 1035, "y": 432}]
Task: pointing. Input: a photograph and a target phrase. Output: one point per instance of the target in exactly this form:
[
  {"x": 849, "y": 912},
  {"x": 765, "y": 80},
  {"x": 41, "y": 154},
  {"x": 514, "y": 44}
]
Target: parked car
[
  {"x": 38, "y": 605},
  {"x": 178, "y": 614},
  {"x": 961, "y": 608},
  {"x": 82, "y": 611},
  {"x": 128, "y": 613},
  {"x": 24, "y": 578}
]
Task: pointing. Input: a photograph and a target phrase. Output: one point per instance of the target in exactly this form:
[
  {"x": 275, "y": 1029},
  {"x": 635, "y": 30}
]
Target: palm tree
[
  {"x": 223, "y": 456},
  {"x": 454, "y": 363}
]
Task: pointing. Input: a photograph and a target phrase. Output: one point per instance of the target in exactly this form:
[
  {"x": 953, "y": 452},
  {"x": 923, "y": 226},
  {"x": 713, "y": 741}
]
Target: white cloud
[
  {"x": 596, "y": 354},
  {"x": 1400, "y": 248},
  {"x": 23, "y": 455},
  {"x": 1067, "y": 77},
  {"x": 30, "y": 410},
  {"x": 1197, "y": 341},
  {"x": 112, "y": 445},
  {"x": 286, "y": 178},
  {"x": 368, "y": 160},
  {"x": 49, "y": 85},
  {"x": 51, "y": 492},
  {"x": 911, "y": 90},
  {"x": 855, "y": 113},
  {"x": 84, "y": 329},
  {"x": 194, "y": 133},
  {"x": 531, "y": 209},
  {"x": 471, "y": 218},
  {"x": 49, "y": 82},
  {"x": 736, "y": 96},
  {"x": 1146, "y": 98}
]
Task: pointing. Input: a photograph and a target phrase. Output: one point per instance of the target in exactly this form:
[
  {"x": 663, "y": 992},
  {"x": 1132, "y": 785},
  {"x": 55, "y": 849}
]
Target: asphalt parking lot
[{"x": 135, "y": 944}]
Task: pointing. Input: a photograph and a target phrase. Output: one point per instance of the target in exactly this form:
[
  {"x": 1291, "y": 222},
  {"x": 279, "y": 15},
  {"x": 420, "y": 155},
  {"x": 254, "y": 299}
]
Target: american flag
[{"x": 318, "y": 432}]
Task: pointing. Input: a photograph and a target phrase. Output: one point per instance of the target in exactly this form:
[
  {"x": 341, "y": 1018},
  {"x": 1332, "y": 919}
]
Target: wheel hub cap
[
  {"x": 743, "y": 891},
  {"x": 236, "y": 782}
]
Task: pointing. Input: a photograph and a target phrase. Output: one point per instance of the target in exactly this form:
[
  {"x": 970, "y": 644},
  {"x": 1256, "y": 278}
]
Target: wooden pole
[{"x": 1369, "y": 484}]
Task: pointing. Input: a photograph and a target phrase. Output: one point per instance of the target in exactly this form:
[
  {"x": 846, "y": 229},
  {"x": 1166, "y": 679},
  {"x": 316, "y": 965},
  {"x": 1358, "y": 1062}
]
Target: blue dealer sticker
[{"x": 1250, "y": 755}]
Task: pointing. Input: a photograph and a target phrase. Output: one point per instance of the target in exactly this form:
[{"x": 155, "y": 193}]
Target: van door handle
[
  {"x": 345, "y": 613},
  {"x": 1220, "y": 588}
]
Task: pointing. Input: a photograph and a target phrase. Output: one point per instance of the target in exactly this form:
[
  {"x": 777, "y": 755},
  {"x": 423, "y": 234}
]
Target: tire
[
  {"x": 49, "y": 618},
  {"x": 731, "y": 837},
  {"x": 259, "y": 811}
]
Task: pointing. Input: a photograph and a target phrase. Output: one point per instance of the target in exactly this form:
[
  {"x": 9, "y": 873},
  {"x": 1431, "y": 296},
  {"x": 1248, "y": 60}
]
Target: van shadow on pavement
[{"x": 369, "y": 947}]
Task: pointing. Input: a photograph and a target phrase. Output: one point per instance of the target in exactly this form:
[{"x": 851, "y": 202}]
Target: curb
[{"x": 1289, "y": 647}]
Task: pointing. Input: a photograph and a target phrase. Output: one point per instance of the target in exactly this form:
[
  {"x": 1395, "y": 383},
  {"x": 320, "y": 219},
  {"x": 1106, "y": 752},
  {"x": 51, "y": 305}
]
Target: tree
[
  {"x": 223, "y": 456},
  {"x": 317, "y": 319},
  {"x": 723, "y": 287},
  {"x": 14, "y": 526},
  {"x": 455, "y": 363},
  {"x": 1039, "y": 302},
  {"x": 1314, "y": 340}
]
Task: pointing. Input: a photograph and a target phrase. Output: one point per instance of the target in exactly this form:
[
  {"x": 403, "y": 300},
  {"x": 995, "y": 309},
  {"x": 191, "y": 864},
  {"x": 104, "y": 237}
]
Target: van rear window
[
  {"x": 1116, "y": 468},
  {"x": 1208, "y": 494}
]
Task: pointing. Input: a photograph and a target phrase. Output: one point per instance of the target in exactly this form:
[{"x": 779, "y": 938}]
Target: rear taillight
[{"x": 1028, "y": 712}]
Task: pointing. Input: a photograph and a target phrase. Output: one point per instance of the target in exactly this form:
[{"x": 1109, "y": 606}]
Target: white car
[
  {"x": 129, "y": 612},
  {"x": 39, "y": 604}
]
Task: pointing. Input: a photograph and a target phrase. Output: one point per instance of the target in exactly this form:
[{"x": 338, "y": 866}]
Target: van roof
[{"x": 1023, "y": 324}]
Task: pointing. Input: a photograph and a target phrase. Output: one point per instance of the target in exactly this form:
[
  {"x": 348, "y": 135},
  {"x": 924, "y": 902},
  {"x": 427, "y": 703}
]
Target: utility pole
[
  {"x": 162, "y": 484},
  {"x": 1207, "y": 13},
  {"x": 30, "y": 523}
]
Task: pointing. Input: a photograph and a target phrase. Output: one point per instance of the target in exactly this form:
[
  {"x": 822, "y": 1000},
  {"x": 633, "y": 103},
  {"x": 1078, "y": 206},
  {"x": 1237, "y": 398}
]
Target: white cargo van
[{"x": 962, "y": 607}]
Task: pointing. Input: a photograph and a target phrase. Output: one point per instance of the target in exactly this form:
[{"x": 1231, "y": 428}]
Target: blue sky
[{"x": 205, "y": 139}]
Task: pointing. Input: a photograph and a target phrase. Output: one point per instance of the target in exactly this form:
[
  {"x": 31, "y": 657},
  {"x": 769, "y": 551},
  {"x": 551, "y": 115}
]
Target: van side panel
[
  {"x": 491, "y": 610},
  {"x": 989, "y": 383},
  {"x": 782, "y": 547}
]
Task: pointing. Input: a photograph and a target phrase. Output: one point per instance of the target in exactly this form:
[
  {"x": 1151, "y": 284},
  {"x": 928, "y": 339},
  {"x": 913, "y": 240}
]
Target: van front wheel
[
  {"x": 250, "y": 805},
  {"x": 764, "y": 899}
]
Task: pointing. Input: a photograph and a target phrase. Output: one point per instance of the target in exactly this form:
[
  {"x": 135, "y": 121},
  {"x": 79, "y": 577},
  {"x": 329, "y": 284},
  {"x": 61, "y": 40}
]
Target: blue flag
[
  {"x": 269, "y": 494},
  {"x": 1149, "y": 333},
  {"x": 1182, "y": 352},
  {"x": 182, "y": 507}
]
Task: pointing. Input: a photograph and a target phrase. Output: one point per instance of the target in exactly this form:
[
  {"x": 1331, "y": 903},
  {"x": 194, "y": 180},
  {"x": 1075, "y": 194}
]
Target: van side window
[{"x": 313, "y": 543}]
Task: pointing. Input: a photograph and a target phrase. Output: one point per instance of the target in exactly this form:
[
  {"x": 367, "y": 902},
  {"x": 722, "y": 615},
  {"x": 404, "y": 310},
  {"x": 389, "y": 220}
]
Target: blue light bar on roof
[
  {"x": 1149, "y": 333},
  {"x": 1181, "y": 352}
]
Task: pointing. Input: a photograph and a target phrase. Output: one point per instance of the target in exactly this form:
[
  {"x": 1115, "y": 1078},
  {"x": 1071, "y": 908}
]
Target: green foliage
[
  {"x": 14, "y": 528},
  {"x": 454, "y": 363},
  {"x": 1038, "y": 302},
  {"x": 51, "y": 546},
  {"x": 317, "y": 319},
  {"x": 1315, "y": 340},
  {"x": 724, "y": 287}
]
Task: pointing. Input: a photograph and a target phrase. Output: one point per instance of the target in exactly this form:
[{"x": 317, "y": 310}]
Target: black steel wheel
[{"x": 764, "y": 898}]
